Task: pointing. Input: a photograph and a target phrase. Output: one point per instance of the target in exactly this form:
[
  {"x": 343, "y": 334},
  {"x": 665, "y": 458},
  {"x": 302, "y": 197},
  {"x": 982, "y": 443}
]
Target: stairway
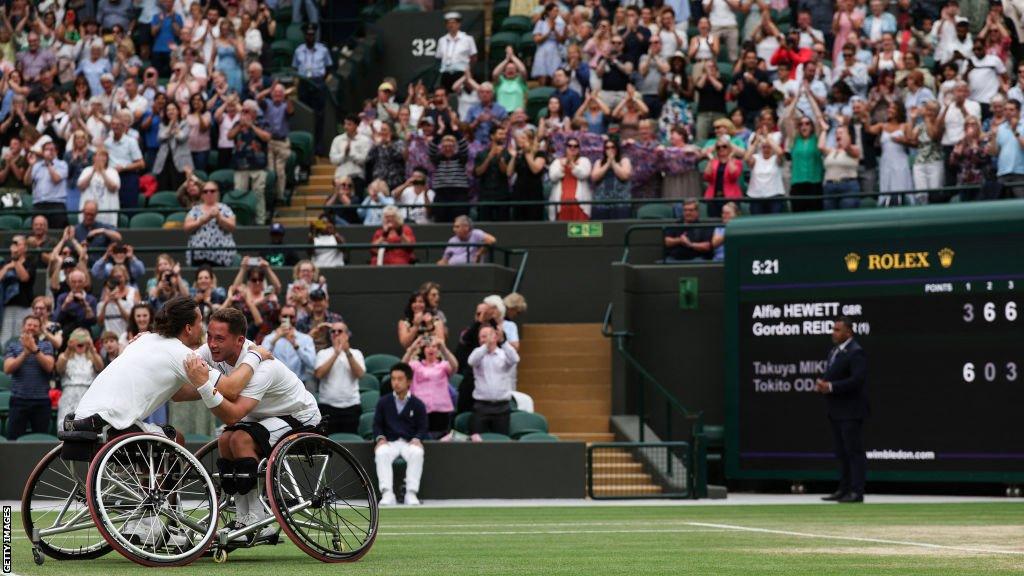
[
  {"x": 566, "y": 368},
  {"x": 313, "y": 193},
  {"x": 619, "y": 474}
]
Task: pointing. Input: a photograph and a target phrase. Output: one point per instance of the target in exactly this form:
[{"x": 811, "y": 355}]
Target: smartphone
[
  {"x": 252, "y": 261},
  {"x": 286, "y": 323}
]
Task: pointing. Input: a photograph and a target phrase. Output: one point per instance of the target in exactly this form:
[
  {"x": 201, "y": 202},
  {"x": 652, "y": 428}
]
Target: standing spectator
[
  {"x": 485, "y": 115},
  {"x": 386, "y": 160},
  {"x": 985, "y": 75},
  {"x": 118, "y": 298},
  {"x": 841, "y": 162},
  {"x": 526, "y": 168},
  {"x": 953, "y": 118},
  {"x": 76, "y": 307},
  {"x": 392, "y": 232},
  {"x": 894, "y": 165},
  {"x": 227, "y": 115},
  {"x": 615, "y": 73},
  {"x": 276, "y": 111},
  {"x": 199, "y": 122},
  {"x": 691, "y": 241},
  {"x": 349, "y": 152},
  {"x": 330, "y": 244},
  {"x": 571, "y": 178},
  {"x": 313, "y": 62},
  {"x": 509, "y": 78},
  {"x": 17, "y": 280},
  {"x": 208, "y": 295},
  {"x": 456, "y": 50},
  {"x": 973, "y": 163},
  {"x": 399, "y": 427},
  {"x": 119, "y": 254},
  {"x": 249, "y": 159},
  {"x": 166, "y": 30},
  {"x": 47, "y": 174},
  {"x": 139, "y": 321},
  {"x": 807, "y": 169},
  {"x": 492, "y": 363},
  {"x": 29, "y": 362},
  {"x": 925, "y": 135},
  {"x": 729, "y": 211},
  {"x": 42, "y": 308},
  {"x": 92, "y": 233},
  {"x": 711, "y": 100},
  {"x": 722, "y": 16},
  {"x": 636, "y": 37},
  {"x": 548, "y": 34},
  {"x": 99, "y": 183},
  {"x": 419, "y": 320},
  {"x": 126, "y": 159},
  {"x": 432, "y": 364},
  {"x": 451, "y": 186},
  {"x": 415, "y": 196},
  {"x": 491, "y": 171},
  {"x": 78, "y": 366},
  {"x": 723, "y": 176},
  {"x": 290, "y": 346},
  {"x": 765, "y": 158},
  {"x": 40, "y": 239},
  {"x": 339, "y": 369},
  {"x": 36, "y": 62},
  {"x": 1006, "y": 147},
  {"x": 468, "y": 244},
  {"x": 611, "y": 176},
  {"x": 110, "y": 348},
  {"x": 211, "y": 224},
  {"x": 168, "y": 271},
  {"x": 311, "y": 8}
]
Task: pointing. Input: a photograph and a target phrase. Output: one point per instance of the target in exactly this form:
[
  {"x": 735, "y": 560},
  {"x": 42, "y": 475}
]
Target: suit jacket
[
  {"x": 411, "y": 423},
  {"x": 848, "y": 375}
]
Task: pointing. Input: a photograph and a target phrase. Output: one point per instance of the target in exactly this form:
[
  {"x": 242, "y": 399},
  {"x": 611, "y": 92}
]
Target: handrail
[{"x": 521, "y": 271}]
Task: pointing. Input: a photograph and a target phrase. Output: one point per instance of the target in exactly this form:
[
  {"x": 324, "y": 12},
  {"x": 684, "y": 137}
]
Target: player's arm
[
  {"x": 201, "y": 379},
  {"x": 231, "y": 385}
]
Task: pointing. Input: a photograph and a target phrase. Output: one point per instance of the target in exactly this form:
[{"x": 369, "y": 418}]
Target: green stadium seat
[
  {"x": 27, "y": 223},
  {"x": 244, "y": 205},
  {"x": 198, "y": 438},
  {"x": 212, "y": 158},
  {"x": 494, "y": 437},
  {"x": 164, "y": 199},
  {"x": 517, "y": 24},
  {"x": 5, "y": 381},
  {"x": 295, "y": 34},
  {"x": 38, "y": 437},
  {"x": 369, "y": 382},
  {"x": 408, "y": 8},
  {"x": 202, "y": 175},
  {"x": 462, "y": 422},
  {"x": 455, "y": 380},
  {"x": 523, "y": 423},
  {"x": 655, "y": 212},
  {"x": 498, "y": 43},
  {"x": 368, "y": 400},
  {"x": 281, "y": 53},
  {"x": 537, "y": 100},
  {"x": 225, "y": 179},
  {"x": 302, "y": 143},
  {"x": 538, "y": 437},
  {"x": 366, "y": 425},
  {"x": 147, "y": 220},
  {"x": 176, "y": 217},
  {"x": 380, "y": 364},
  {"x": 526, "y": 46},
  {"x": 346, "y": 437},
  {"x": 11, "y": 222}
]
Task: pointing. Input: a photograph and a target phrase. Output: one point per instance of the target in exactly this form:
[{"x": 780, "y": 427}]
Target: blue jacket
[
  {"x": 411, "y": 423},
  {"x": 848, "y": 373}
]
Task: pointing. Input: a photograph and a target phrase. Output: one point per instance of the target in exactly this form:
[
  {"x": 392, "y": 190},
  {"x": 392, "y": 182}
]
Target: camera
[
  {"x": 252, "y": 261},
  {"x": 113, "y": 283},
  {"x": 166, "y": 277}
]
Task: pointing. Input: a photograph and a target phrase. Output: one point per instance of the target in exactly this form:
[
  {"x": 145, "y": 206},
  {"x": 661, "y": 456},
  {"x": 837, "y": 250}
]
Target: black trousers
[
  {"x": 56, "y": 213},
  {"x": 27, "y": 413},
  {"x": 805, "y": 189},
  {"x": 439, "y": 423},
  {"x": 448, "y": 79},
  {"x": 341, "y": 419},
  {"x": 444, "y": 196},
  {"x": 848, "y": 438},
  {"x": 490, "y": 417}
]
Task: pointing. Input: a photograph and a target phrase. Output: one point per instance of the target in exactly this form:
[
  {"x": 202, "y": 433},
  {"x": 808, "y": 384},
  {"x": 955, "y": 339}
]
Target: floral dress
[
  {"x": 211, "y": 234},
  {"x": 78, "y": 375}
]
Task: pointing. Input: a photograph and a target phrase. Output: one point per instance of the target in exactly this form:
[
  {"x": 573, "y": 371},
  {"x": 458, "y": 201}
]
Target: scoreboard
[{"x": 936, "y": 296}]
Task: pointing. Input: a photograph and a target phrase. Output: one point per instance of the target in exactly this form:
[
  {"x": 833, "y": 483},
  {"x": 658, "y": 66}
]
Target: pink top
[{"x": 430, "y": 384}]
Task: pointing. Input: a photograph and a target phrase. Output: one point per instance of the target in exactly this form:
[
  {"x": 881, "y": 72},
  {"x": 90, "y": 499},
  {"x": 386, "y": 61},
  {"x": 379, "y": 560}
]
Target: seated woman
[
  {"x": 307, "y": 271},
  {"x": 392, "y": 232},
  {"x": 432, "y": 364}
]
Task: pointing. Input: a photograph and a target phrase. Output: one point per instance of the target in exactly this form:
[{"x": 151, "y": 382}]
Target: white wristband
[
  {"x": 206, "y": 391},
  {"x": 214, "y": 400},
  {"x": 252, "y": 361}
]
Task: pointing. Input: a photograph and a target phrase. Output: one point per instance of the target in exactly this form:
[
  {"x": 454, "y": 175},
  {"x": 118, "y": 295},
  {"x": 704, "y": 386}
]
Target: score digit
[
  {"x": 1011, "y": 311},
  {"x": 969, "y": 372}
]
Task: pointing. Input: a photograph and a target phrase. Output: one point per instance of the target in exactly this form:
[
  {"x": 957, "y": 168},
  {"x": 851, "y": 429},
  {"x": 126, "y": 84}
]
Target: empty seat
[
  {"x": 366, "y": 425},
  {"x": 345, "y": 437},
  {"x": 380, "y": 364},
  {"x": 655, "y": 212},
  {"x": 147, "y": 220},
  {"x": 494, "y": 437},
  {"x": 538, "y": 437},
  {"x": 368, "y": 400},
  {"x": 523, "y": 423},
  {"x": 368, "y": 382}
]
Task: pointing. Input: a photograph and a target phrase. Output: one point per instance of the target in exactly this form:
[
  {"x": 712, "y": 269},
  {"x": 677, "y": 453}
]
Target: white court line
[
  {"x": 856, "y": 539},
  {"x": 556, "y": 532},
  {"x": 536, "y": 524}
]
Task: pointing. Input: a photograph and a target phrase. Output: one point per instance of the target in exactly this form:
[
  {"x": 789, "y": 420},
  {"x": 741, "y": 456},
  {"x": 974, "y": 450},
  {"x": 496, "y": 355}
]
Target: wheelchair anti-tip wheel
[
  {"x": 322, "y": 498},
  {"x": 55, "y": 512},
  {"x": 152, "y": 500}
]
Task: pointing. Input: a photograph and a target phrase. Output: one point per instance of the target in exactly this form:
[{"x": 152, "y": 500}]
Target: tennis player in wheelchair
[{"x": 258, "y": 414}]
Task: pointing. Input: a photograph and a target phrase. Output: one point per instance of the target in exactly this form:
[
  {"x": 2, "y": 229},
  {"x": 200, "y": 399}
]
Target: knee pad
[
  {"x": 247, "y": 466},
  {"x": 227, "y": 481}
]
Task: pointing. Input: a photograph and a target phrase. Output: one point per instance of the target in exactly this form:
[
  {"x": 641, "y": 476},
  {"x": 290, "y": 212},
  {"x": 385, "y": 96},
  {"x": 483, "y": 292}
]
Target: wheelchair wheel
[
  {"x": 207, "y": 455},
  {"x": 54, "y": 503},
  {"x": 152, "y": 500},
  {"x": 322, "y": 498}
]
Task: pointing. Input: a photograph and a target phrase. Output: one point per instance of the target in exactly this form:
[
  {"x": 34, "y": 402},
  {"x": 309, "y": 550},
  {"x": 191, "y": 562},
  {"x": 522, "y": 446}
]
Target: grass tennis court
[{"x": 903, "y": 539}]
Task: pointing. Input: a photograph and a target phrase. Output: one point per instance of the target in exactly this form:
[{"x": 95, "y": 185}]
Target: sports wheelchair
[{"x": 157, "y": 504}]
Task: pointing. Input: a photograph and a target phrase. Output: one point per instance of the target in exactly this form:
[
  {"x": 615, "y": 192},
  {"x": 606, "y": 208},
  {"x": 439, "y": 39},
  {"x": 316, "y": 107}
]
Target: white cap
[{"x": 452, "y": 16}]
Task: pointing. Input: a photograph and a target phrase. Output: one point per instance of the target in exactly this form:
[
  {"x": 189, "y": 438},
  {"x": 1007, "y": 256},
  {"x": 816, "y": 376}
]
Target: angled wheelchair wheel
[
  {"x": 207, "y": 455},
  {"x": 54, "y": 504},
  {"x": 152, "y": 500},
  {"x": 322, "y": 498}
]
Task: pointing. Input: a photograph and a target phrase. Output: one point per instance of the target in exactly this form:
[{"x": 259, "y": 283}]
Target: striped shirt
[
  {"x": 30, "y": 381},
  {"x": 450, "y": 172}
]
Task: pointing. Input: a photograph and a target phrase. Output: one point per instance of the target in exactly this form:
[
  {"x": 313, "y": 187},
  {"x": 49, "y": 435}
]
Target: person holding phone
[{"x": 295, "y": 349}]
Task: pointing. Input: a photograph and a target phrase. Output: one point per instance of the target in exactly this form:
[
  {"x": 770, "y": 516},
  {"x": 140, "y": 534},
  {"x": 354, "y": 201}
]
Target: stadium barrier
[{"x": 618, "y": 470}]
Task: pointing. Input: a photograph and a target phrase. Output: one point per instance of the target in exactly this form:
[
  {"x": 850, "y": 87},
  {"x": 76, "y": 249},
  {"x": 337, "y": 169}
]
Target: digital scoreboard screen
[{"x": 936, "y": 296}]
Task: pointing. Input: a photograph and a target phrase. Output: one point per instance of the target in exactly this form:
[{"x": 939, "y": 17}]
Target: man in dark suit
[
  {"x": 844, "y": 385},
  {"x": 399, "y": 428}
]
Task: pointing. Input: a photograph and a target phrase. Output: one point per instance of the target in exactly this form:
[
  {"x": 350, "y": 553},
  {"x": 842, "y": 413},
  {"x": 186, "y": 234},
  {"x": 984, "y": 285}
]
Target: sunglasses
[
  {"x": 572, "y": 145},
  {"x": 210, "y": 190},
  {"x": 614, "y": 43},
  {"x": 333, "y": 331},
  {"x": 344, "y": 185},
  {"x": 289, "y": 316},
  {"x": 255, "y": 279}
]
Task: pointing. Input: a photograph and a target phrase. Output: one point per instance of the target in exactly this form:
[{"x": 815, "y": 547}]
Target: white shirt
[
  {"x": 455, "y": 53},
  {"x": 277, "y": 389},
  {"x": 339, "y": 388},
  {"x": 765, "y": 177},
  {"x": 145, "y": 376},
  {"x": 672, "y": 40},
  {"x": 984, "y": 78},
  {"x": 349, "y": 154},
  {"x": 330, "y": 256},
  {"x": 409, "y": 196},
  {"x": 492, "y": 372},
  {"x": 721, "y": 13},
  {"x": 955, "y": 121}
]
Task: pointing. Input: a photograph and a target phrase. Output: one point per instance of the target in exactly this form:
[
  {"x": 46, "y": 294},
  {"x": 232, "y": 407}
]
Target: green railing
[{"x": 672, "y": 406}]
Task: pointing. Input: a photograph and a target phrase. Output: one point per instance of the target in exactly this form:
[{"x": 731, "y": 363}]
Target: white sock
[
  {"x": 241, "y": 506},
  {"x": 255, "y": 505}
]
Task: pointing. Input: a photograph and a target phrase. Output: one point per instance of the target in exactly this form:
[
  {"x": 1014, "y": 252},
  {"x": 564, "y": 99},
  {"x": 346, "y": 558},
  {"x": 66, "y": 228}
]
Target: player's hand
[
  {"x": 196, "y": 370},
  {"x": 263, "y": 352},
  {"x": 137, "y": 336},
  {"x": 381, "y": 442}
]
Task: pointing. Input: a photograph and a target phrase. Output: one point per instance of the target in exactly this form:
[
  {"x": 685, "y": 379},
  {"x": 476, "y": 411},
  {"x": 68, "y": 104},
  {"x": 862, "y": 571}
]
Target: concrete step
[
  {"x": 637, "y": 478},
  {"x": 614, "y": 490},
  {"x": 565, "y": 376},
  {"x": 547, "y": 358},
  {"x": 580, "y": 407},
  {"x": 309, "y": 199},
  {"x": 307, "y": 189},
  {"x": 584, "y": 436},
  {"x": 322, "y": 179},
  {"x": 617, "y": 467},
  {"x": 561, "y": 330},
  {"x": 544, "y": 392},
  {"x": 577, "y": 345}
]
